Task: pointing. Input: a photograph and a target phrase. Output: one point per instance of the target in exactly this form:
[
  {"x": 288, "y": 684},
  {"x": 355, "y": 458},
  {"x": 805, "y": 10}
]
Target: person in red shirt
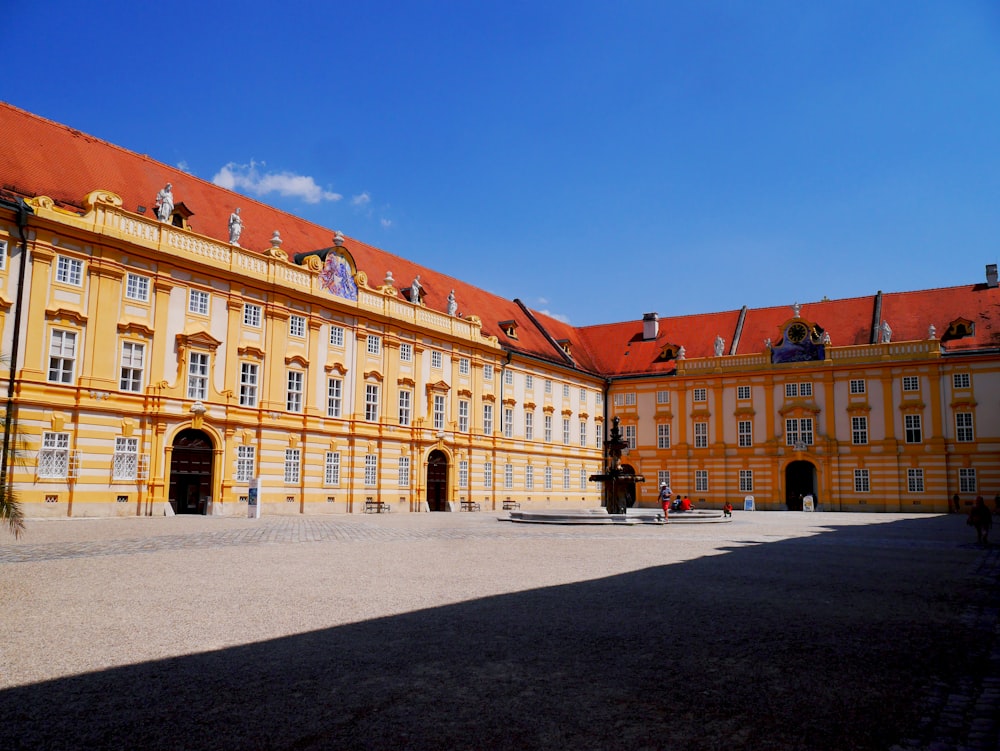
[{"x": 685, "y": 504}]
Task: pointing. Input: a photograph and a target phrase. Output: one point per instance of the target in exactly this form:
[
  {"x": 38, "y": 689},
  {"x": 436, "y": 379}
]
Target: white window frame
[
  {"x": 914, "y": 480},
  {"x": 199, "y": 364},
  {"x": 405, "y": 352},
  {"x": 337, "y": 336},
  {"x": 293, "y": 466},
  {"x": 371, "y": 402},
  {"x": 862, "y": 481},
  {"x": 3, "y": 255},
  {"x": 529, "y": 478},
  {"x": 136, "y": 287},
  {"x": 967, "y": 480},
  {"x": 508, "y": 476},
  {"x": 463, "y": 474},
  {"x": 331, "y": 469},
  {"x": 371, "y": 470},
  {"x": 746, "y": 480},
  {"x": 743, "y": 393},
  {"x": 806, "y": 389},
  {"x": 663, "y": 476},
  {"x": 487, "y": 419},
  {"x": 463, "y": 415},
  {"x": 663, "y": 435},
  {"x": 529, "y": 383},
  {"x": 911, "y": 383},
  {"x": 334, "y": 397},
  {"x": 62, "y": 356},
  {"x": 961, "y": 381},
  {"x": 508, "y": 422},
  {"x": 246, "y": 462},
  {"x": 630, "y": 436},
  {"x": 529, "y": 425},
  {"x": 791, "y": 390},
  {"x": 583, "y": 433},
  {"x": 701, "y": 480},
  {"x": 297, "y": 326},
  {"x": 859, "y": 430},
  {"x": 405, "y": 401},
  {"x": 373, "y": 345},
  {"x": 508, "y": 377},
  {"x": 567, "y": 479},
  {"x": 125, "y": 463},
  {"x": 252, "y": 315},
  {"x": 701, "y": 435},
  {"x": 69, "y": 271},
  {"x": 744, "y": 430},
  {"x": 547, "y": 477},
  {"x": 700, "y": 395},
  {"x": 547, "y": 428},
  {"x": 565, "y": 391},
  {"x": 249, "y": 381},
  {"x": 487, "y": 372},
  {"x": 53, "y": 456},
  {"x": 463, "y": 366},
  {"x": 913, "y": 428},
  {"x": 436, "y": 359},
  {"x": 858, "y": 386},
  {"x": 403, "y": 478},
  {"x": 487, "y": 474},
  {"x": 964, "y": 427},
  {"x": 132, "y": 366},
  {"x": 438, "y": 412},
  {"x": 199, "y": 302},
  {"x": 295, "y": 391},
  {"x": 566, "y": 431}
]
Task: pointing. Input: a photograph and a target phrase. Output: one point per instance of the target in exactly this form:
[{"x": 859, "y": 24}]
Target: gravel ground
[{"x": 420, "y": 631}]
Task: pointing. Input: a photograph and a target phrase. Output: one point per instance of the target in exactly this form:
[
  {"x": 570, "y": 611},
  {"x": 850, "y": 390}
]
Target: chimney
[
  {"x": 991, "y": 275},
  {"x": 651, "y": 322}
]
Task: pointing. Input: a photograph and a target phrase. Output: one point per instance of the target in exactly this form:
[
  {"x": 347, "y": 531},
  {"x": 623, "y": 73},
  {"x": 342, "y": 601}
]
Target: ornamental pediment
[{"x": 198, "y": 338}]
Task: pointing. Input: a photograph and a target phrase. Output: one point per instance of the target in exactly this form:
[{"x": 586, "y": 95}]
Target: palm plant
[{"x": 11, "y": 512}]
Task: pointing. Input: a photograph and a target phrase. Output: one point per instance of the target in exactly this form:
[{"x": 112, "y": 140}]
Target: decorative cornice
[
  {"x": 140, "y": 327},
  {"x": 76, "y": 315}
]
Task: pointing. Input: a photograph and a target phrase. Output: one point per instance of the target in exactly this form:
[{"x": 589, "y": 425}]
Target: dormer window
[
  {"x": 564, "y": 343},
  {"x": 509, "y": 328},
  {"x": 959, "y": 329}
]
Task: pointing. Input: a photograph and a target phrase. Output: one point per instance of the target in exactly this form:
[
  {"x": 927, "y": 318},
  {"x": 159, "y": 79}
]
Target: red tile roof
[{"x": 41, "y": 157}]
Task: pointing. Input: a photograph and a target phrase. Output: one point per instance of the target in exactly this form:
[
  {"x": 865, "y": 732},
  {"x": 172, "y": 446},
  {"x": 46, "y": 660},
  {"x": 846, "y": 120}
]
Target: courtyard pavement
[{"x": 779, "y": 630}]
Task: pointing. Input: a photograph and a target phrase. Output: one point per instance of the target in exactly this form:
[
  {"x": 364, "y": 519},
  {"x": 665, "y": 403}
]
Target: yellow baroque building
[{"x": 162, "y": 356}]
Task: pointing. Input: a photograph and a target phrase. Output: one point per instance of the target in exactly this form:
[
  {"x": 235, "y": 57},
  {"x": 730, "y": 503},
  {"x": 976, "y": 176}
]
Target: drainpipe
[{"x": 22, "y": 223}]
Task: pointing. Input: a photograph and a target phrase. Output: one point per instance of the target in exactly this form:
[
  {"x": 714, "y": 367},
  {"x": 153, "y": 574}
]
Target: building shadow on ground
[{"x": 825, "y": 642}]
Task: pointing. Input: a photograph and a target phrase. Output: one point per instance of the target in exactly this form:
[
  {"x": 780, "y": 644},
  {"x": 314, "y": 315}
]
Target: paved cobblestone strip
[
  {"x": 965, "y": 715},
  {"x": 278, "y": 532}
]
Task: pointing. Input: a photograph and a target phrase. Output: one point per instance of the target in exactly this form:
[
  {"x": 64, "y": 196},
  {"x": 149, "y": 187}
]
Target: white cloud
[
  {"x": 248, "y": 178},
  {"x": 557, "y": 316},
  {"x": 361, "y": 200},
  {"x": 183, "y": 166},
  {"x": 386, "y": 223}
]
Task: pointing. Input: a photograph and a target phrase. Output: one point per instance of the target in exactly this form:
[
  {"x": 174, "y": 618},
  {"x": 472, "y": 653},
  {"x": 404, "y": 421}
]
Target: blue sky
[{"x": 597, "y": 160}]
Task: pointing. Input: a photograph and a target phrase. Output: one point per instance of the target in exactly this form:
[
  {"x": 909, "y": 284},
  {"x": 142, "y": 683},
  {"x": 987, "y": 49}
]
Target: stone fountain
[{"x": 619, "y": 482}]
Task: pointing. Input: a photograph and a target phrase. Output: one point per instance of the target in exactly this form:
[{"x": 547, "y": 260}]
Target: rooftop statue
[
  {"x": 235, "y": 227},
  {"x": 165, "y": 203}
]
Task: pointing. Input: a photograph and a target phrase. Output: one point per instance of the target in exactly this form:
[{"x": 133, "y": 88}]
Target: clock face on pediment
[{"x": 797, "y": 332}]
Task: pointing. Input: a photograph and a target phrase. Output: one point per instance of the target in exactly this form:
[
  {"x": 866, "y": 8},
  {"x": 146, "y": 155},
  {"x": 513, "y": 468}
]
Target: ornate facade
[{"x": 156, "y": 363}]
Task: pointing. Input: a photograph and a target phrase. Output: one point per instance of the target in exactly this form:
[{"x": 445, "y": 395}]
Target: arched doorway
[
  {"x": 191, "y": 472},
  {"x": 437, "y": 481},
  {"x": 800, "y": 480}
]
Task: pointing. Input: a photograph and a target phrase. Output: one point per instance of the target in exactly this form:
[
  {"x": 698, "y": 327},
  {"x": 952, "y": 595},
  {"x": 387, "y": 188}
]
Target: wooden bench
[
  {"x": 471, "y": 506},
  {"x": 510, "y": 505},
  {"x": 376, "y": 507}
]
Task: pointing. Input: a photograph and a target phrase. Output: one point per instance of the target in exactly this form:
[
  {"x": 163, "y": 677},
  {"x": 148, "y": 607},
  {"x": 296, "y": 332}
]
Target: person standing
[
  {"x": 665, "y": 499},
  {"x": 981, "y": 518}
]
